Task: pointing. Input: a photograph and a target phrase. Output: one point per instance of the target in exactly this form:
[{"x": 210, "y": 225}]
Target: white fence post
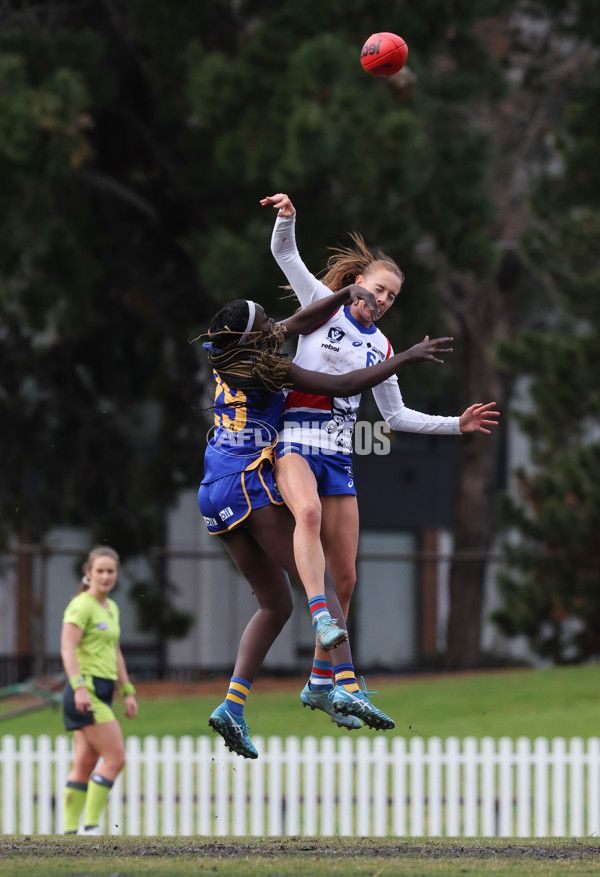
[
  {"x": 133, "y": 754},
  {"x": 351, "y": 786},
  {"x": 541, "y": 804},
  {"x": 593, "y": 787},
  {"x": 506, "y": 761},
  {"x": 559, "y": 787},
  {"x": 453, "y": 808},
  {"x": 470, "y": 787},
  {"x": 399, "y": 792},
  {"x": 488, "y": 787},
  {"x": 293, "y": 791},
  {"x": 363, "y": 787},
  {"x": 186, "y": 785},
  {"x": 25, "y": 762},
  {"x": 150, "y": 785},
  {"x": 435, "y": 793},
  {"x": 576, "y": 790},
  {"x": 8, "y": 761},
  {"x": 63, "y": 754},
  {"x": 328, "y": 789},
  {"x": 523, "y": 787},
  {"x": 417, "y": 787}
]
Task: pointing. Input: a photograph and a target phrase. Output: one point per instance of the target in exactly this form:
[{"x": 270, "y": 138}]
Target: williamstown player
[
  {"x": 238, "y": 497},
  {"x": 314, "y": 452},
  {"x": 93, "y": 662}
]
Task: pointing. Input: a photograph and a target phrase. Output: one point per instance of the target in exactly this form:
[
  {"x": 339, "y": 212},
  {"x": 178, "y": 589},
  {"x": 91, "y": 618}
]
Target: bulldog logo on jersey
[{"x": 335, "y": 334}]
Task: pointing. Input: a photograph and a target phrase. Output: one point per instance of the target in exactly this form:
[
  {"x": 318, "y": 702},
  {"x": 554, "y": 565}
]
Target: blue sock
[
  {"x": 318, "y": 607},
  {"x": 239, "y": 689},
  {"x": 321, "y": 676}
]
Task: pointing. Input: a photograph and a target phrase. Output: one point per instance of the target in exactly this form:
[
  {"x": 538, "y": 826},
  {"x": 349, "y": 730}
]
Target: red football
[{"x": 383, "y": 54}]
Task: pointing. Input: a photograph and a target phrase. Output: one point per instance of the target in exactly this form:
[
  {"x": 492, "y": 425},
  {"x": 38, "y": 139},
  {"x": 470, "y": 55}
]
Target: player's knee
[
  {"x": 117, "y": 760},
  {"x": 308, "y": 516},
  {"x": 283, "y": 608},
  {"x": 345, "y": 582}
]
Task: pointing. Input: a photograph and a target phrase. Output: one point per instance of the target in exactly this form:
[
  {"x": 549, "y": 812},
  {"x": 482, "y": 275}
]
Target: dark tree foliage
[
  {"x": 552, "y": 590},
  {"x": 136, "y": 139}
]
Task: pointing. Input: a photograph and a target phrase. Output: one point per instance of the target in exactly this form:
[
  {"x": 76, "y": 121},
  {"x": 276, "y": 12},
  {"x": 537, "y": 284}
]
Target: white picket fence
[{"x": 356, "y": 786}]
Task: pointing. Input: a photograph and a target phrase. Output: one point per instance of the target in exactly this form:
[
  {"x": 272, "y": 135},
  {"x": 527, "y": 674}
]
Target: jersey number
[{"x": 233, "y": 424}]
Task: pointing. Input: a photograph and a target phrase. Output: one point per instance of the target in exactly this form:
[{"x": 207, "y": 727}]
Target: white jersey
[{"x": 339, "y": 345}]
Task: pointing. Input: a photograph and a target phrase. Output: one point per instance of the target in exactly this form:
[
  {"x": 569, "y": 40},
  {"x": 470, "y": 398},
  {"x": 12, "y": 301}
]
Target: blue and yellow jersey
[{"x": 244, "y": 432}]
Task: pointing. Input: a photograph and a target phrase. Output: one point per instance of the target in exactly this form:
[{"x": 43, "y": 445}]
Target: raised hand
[
  {"x": 474, "y": 418},
  {"x": 360, "y": 293},
  {"x": 426, "y": 349},
  {"x": 279, "y": 202}
]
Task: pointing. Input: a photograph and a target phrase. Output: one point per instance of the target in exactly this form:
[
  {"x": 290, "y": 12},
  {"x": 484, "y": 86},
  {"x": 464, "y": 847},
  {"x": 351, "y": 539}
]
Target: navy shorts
[
  {"x": 101, "y": 693},
  {"x": 333, "y": 471},
  {"x": 226, "y": 502}
]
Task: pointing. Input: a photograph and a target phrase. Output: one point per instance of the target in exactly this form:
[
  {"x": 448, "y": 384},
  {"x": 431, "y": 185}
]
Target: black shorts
[{"x": 101, "y": 692}]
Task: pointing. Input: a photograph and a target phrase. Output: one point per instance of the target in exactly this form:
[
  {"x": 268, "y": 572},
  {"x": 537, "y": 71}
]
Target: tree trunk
[{"x": 483, "y": 326}]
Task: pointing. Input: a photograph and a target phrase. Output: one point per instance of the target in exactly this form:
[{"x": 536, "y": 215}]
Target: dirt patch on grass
[{"x": 347, "y": 848}]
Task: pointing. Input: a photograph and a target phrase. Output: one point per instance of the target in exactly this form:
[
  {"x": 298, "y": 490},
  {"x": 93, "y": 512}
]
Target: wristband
[
  {"x": 77, "y": 682},
  {"x": 127, "y": 688}
]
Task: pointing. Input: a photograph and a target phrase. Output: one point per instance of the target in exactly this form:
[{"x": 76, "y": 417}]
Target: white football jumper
[{"x": 339, "y": 345}]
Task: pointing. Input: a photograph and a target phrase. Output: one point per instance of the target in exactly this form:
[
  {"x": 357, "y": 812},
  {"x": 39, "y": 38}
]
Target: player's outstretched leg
[{"x": 348, "y": 699}]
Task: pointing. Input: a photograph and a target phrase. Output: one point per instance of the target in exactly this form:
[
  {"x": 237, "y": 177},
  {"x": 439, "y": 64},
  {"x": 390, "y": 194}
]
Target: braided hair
[{"x": 245, "y": 359}]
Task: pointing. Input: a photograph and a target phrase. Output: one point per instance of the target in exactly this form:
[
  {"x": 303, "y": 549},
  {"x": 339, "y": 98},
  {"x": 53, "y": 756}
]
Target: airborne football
[{"x": 383, "y": 54}]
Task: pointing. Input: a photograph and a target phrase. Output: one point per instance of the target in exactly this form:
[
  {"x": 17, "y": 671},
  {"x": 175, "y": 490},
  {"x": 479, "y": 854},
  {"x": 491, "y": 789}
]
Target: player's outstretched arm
[
  {"x": 352, "y": 383},
  {"x": 313, "y": 315},
  {"x": 280, "y": 202},
  {"x": 475, "y": 418}
]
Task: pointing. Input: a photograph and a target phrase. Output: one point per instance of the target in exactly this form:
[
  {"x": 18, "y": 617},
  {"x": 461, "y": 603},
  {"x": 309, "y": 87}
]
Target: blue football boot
[
  {"x": 357, "y": 703},
  {"x": 323, "y": 700},
  {"x": 329, "y": 635},
  {"x": 233, "y": 730}
]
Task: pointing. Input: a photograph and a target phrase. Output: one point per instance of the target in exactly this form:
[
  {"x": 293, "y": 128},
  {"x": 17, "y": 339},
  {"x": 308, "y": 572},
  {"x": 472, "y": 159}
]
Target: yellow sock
[
  {"x": 74, "y": 796},
  {"x": 97, "y": 796}
]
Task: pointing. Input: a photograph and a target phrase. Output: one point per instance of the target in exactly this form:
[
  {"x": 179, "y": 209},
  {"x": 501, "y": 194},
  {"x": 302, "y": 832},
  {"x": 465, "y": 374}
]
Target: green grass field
[
  {"x": 557, "y": 702},
  {"x": 277, "y": 857}
]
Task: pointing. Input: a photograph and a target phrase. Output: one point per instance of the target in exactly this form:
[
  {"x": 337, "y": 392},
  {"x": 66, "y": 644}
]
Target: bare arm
[
  {"x": 308, "y": 318},
  {"x": 131, "y": 706},
  {"x": 69, "y": 640},
  {"x": 354, "y": 382}
]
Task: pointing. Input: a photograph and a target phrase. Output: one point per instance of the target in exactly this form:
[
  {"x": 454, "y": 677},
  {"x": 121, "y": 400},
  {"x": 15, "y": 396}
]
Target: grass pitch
[
  {"x": 284, "y": 857},
  {"x": 559, "y": 702}
]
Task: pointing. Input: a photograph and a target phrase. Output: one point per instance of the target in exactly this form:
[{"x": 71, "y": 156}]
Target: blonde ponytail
[{"x": 346, "y": 263}]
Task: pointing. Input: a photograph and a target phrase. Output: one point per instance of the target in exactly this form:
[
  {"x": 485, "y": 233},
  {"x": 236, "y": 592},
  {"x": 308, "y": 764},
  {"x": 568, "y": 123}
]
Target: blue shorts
[
  {"x": 333, "y": 471},
  {"x": 226, "y": 502}
]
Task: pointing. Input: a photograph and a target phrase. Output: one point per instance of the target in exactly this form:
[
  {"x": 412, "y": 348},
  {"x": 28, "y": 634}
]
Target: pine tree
[{"x": 552, "y": 587}]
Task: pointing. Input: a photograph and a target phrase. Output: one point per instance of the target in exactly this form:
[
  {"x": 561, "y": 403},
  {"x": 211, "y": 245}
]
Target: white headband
[{"x": 250, "y": 323}]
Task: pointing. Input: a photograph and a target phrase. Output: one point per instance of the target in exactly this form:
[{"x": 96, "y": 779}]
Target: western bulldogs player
[{"x": 314, "y": 463}]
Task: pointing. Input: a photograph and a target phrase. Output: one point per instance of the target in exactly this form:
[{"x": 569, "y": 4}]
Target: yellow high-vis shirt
[{"x": 96, "y": 653}]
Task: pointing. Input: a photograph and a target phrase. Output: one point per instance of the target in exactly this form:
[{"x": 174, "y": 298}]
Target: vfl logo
[
  {"x": 225, "y": 513},
  {"x": 335, "y": 334}
]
